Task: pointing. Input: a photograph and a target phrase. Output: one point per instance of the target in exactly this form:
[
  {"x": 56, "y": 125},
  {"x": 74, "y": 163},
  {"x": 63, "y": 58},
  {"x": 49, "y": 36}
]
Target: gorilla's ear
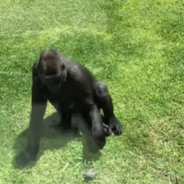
[
  {"x": 63, "y": 71},
  {"x": 62, "y": 66}
]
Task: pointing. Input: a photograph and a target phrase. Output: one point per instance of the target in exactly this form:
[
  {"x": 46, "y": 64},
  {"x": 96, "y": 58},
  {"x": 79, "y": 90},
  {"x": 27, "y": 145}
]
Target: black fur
[{"x": 71, "y": 89}]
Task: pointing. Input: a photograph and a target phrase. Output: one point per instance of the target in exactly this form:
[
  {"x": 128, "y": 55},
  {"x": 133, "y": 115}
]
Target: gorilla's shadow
[{"x": 52, "y": 138}]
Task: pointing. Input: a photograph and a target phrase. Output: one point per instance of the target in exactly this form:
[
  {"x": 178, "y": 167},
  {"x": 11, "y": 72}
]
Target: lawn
[{"x": 137, "y": 48}]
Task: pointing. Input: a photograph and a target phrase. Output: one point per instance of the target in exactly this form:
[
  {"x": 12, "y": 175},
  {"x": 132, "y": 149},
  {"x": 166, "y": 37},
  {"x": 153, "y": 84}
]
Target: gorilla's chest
[{"x": 68, "y": 98}]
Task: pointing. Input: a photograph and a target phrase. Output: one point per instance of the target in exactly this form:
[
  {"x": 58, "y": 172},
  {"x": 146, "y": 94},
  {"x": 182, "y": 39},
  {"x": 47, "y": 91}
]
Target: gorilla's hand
[{"x": 115, "y": 126}]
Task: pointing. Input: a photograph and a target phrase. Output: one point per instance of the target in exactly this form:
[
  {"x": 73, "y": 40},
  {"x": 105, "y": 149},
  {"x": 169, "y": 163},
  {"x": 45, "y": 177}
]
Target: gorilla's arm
[{"x": 38, "y": 107}]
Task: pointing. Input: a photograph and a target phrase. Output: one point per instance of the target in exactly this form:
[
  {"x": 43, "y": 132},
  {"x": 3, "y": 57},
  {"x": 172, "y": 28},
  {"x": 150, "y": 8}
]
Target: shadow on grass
[{"x": 54, "y": 139}]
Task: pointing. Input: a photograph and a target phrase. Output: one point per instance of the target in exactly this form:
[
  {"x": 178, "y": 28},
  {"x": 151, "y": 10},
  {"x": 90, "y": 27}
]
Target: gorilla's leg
[{"x": 94, "y": 121}]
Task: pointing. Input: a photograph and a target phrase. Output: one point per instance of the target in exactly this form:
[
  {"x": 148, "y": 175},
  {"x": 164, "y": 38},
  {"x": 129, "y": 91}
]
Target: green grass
[{"x": 137, "y": 48}]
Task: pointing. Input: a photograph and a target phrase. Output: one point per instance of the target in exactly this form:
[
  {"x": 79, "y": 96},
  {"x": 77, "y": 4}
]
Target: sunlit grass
[{"x": 137, "y": 48}]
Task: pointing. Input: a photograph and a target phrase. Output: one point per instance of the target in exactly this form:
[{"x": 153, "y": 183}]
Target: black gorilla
[{"x": 70, "y": 88}]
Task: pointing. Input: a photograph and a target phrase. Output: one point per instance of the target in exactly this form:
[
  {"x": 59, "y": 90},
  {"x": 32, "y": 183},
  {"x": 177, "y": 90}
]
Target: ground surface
[{"x": 137, "y": 48}]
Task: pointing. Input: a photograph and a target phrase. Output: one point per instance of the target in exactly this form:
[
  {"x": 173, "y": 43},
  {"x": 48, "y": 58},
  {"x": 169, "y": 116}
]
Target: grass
[{"x": 137, "y": 48}]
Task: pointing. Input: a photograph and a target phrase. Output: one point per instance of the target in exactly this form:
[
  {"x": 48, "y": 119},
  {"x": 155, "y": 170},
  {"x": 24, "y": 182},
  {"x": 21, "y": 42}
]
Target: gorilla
[{"x": 71, "y": 89}]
